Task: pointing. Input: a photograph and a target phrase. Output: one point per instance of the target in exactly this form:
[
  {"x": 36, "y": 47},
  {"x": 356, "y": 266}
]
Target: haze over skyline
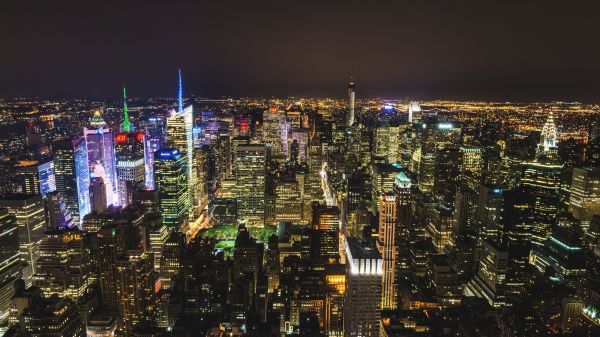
[{"x": 459, "y": 50}]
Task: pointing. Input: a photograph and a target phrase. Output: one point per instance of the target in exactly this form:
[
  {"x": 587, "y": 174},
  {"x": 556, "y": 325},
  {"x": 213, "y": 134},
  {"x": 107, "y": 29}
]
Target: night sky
[{"x": 519, "y": 50}]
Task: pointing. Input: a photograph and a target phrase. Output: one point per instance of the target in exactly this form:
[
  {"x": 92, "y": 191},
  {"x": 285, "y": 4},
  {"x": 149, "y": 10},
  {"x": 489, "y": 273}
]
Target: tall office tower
[
  {"x": 414, "y": 112},
  {"x": 444, "y": 281},
  {"x": 489, "y": 210},
  {"x": 327, "y": 226},
  {"x": 404, "y": 218},
  {"x": 351, "y": 96},
  {"x": 250, "y": 170},
  {"x": 386, "y": 141},
  {"x": 384, "y": 177},
  {"x": 561, "y": 257},
  {"x": 585, "y": 195},
  {"x": 272, "y": 134},
  {"x": 439, "y": 228},
  {"x": 11, "y": 267},
  {"x": 180, "y": 135},
  {"x": 387, "y": 244},
  {"x": 362, "y": 305},
  {"x": 53, "y": 316},
  {"x": 58, "y": 214},
  {"x": 101, "y": 155},
  {"x": 155, "y": 130},
  {"x": 543, "y": 182},
  {"x": 73, "y": 176},
  {"x": 471, "y": 162},
  {"x": 464, "y": 211},
  {"x": 170, "y": 261},
  {"x": 129, "y": 149},
  {"x": 29, "y": 213},
  {"x": 158, "y": 234},
  {"x": 445, "y": 179},
  {"x": 63, "y": 267},
  {"x": 489, "y": 282},
  {"x": 36, "y": 177},
  {"x": 548, "y": 146},
  {"x": 235, "y": 142},
  {"x": 111, "y": 244},
  {"x": 315, "y": 164},
  {"x": 171, "y": 178},
  {"x": 288, "y": 199},
  {"x": 135, "y": 288}
]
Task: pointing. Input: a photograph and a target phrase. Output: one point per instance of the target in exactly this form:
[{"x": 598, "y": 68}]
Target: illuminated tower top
[
  {"x": 549, "y": 137},
  {"x": 126, "y": 127},
  {"x": 97, "y": 121},
  {"x": 180, "y": 97}
]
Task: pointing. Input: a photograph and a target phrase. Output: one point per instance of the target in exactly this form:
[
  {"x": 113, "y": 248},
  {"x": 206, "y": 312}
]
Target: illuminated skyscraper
[
  {"x": 180, "y": 137},
  {"x": 11, "y": 266},
  {"x": 28, "y": 211},
  {"x": 63, "y": 266},
  {"x": 387, "y": 243},
  {"x": 393, "y": 238},
  {"x": 155, "y": 130},
  {"x": 73, "y": 176},
  {"x": 351, "y": 97},
  {"x": 548, "y": 146},
  {"x": 171, "y": 178},
  {"x": 250, "y": 170},
  {"x": 326, "y": 224},
  {"x": 129, "y": 149},
  {"x": 543, "y": 182},
  {"x": 489, "y": 282},
  {"x": 585, "y": 194},
  {"x": 362, "y": 305},
  {"x": 36, "y": 177},
  {"x": 101, "y": 155},
  {"x": 386, "y": 141}
]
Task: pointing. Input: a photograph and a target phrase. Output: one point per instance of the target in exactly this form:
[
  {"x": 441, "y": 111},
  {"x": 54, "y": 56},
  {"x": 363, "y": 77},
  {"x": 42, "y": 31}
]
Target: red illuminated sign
[
  {"x": 139, "y": 136},
  {"x": 121, "y": 137}
]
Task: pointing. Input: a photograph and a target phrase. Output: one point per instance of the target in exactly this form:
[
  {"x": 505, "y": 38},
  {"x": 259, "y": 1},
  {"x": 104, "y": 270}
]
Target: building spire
[
  {"x": 180, "y": 98},
  {"x": 549, "y": 136},
  {"x": 125, "y": 112}
]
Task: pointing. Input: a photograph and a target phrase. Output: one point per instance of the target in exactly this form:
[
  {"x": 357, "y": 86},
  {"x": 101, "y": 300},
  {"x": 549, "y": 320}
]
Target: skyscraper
[
  {"x": 11, "y": 267},
  {"x": 180, "y": 136},
  {"x": 351, "y": 95},
  {"x": 585, "y": 194},
  {"x": 326, "y": 224},
  {"x": 394, "y": 237},
  {"x": 250, "y": 170},
  {"x": 36, "y": 177},
  {"x": 28, "y": 211},
  {"x": 155, "y": 130},
  {"x": 129, "y": 149},
  {"x": 73, "y": 176},
  {"x": 489, "y": 282},
  {"x": 387, "y": 244},
  {"x": 543, "y": 181},
  {"x": 362, "y": 305},
  {"x": 63, "y": 266},
  {"x": 101, "y": 155},
  {"x": 171, "y": 178}
]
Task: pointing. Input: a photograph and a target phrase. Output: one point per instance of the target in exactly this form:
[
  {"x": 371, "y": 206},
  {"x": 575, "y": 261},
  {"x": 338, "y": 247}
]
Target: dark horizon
[{"x": 459, "y": 50}]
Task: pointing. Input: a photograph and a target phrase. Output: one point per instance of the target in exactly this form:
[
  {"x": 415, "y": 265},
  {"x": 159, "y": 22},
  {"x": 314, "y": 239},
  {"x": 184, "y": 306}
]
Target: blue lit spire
[{"x": 180, "y": 98}]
